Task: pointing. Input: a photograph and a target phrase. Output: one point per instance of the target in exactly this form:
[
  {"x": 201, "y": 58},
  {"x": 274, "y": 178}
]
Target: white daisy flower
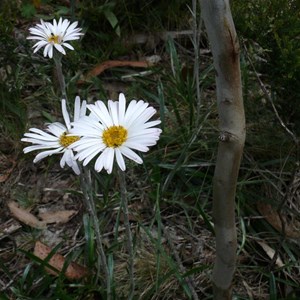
[
  {"x": 56, "y": 138},
  {"x": 54, "y": 35},
  {"x": 115, "y": 132}
]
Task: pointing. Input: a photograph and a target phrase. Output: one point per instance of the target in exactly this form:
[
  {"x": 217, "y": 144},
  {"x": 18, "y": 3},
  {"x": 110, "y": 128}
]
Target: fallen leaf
[
  {"x": 62, "y": 216},
  {"x": 271, "y": 215},
  {"x": 270, "y": 252},
  {"x": 74, "y": 271},
  {"x": 25, "y": 216}
]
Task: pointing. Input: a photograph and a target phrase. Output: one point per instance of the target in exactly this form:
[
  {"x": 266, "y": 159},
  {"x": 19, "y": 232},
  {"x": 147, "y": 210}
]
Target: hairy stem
[
  {"x": 124, "y": 205},
  {"x": 60, "y": 76},
  {"x": 86, "y": 186}
]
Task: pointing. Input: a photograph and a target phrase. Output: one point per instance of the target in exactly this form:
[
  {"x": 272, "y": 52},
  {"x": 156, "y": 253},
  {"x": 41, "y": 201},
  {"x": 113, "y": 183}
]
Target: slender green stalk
[
  {"x": 86, "y": 186},
  {"x": 124, "y": 205},
  {"x": 196, "y": 43},
  {"x": 61, "y": 79}
]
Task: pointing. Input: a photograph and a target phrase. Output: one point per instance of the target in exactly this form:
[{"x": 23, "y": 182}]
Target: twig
[{"x": 100, "y": 68}]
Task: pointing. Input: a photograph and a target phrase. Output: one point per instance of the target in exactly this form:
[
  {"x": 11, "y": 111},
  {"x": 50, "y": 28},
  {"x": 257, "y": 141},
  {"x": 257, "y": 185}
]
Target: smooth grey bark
[{"x": 222, "y": 36}]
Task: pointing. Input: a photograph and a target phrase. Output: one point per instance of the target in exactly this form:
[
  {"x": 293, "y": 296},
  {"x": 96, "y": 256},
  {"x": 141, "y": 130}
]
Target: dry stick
[
  {"x": 222, "y": 36},
  {"x": 188, "y": 279},
  {"x": 124, "y": 204},
  {"x": 85, "y": 181}
]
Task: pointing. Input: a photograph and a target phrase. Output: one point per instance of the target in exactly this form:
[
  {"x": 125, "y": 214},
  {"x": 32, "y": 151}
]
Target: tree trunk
[{"x": 225, "y": 49}]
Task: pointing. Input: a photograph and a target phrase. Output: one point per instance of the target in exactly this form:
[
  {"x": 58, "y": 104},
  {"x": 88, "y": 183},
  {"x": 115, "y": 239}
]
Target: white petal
[
  {"x": 100, "y": 110},
  {"x": 41, "y": 137},
  {"x": 134, "y": 111},
  {"x": 89, "y": 153},
  {"x": 45, "y": 154},
  {"x": 113, "y": 111},
  {"x": 69, "y": 157},
  {"x": 87, "y": 130},
  {"x": 136, "y": 146},
  {"x": 130, "y": 154},
  {"x": 46, "y": 50},
  {"x": 49, "y": 144},
  {"x": 109, "y": 161},
  {"x": 83, "y": 109},
  {"x": 57, "y": 129},
  {"x": 91, "y": 156},
  {"x": 63, "y": 160},
  {"x": 137, "y": 132},
  {"x": 122, "y": 108},
  {"x": 75, "y": 167},
  {"x": 39, "y": 45},
  {"x": 120, "y": 159},
  {"x": 150, "y": 124},
  {"x": 140, "y": 116},
  {"x": 99, "y": 164},
  {"x": 65, "y": 113},
  {"x": 150, "y": 141},
  {"x": 59, "y": 48},
  {"x": 68, "y": 46},
  {"x": 64, "y": 26},
  {"x": 77, "y": 108},
  {"x": 39, "y": 147},
  {"x": 37, "y": 33},
  {"x": 84, "y": 143}
]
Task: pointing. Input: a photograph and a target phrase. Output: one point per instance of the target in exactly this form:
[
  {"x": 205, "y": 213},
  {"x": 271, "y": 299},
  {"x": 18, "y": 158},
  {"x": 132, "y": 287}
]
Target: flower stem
[
  {"x": 124, "y": 205},
  {"x": 86, "y": 186},
  {"x": 60, "y": 76}
]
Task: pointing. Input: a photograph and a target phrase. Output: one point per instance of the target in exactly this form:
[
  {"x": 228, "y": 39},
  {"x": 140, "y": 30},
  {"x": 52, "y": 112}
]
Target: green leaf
[
  {"x": 112, "y": 19},
  {"x": 28, "y": 10},
  {"x": 273, "y": 292}
]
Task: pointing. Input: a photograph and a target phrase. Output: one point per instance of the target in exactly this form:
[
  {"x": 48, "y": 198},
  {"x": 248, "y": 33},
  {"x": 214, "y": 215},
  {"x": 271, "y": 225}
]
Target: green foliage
[
  {"x": 9, "y": 10},
  {"x": 274, "y": 26},
  {"x": 174, "y": 186},
  {"x": 28, "y": 10},
  {"x": 12, "y": 109}
]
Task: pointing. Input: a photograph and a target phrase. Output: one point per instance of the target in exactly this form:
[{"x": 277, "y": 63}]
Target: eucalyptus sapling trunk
[{"x": 225, "y": 49}]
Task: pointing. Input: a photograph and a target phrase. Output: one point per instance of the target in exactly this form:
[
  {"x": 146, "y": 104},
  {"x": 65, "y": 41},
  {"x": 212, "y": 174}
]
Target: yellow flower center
[
  {"x": 66, "y": 141},
  {"x": 54, "y": 39},
  {"x": 114, "y": 136}
]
